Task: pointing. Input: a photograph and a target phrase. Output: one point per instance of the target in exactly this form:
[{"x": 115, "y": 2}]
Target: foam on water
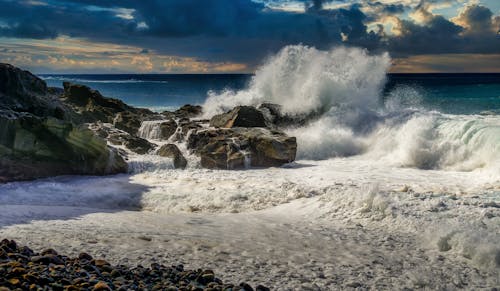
[
  {"x": 344, "y": 86},
  {"x": 398, "y": 168}
]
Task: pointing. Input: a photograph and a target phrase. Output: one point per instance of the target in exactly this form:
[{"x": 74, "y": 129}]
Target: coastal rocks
[
  {"x": 275, "y": 118},
  {"x": 38, "y": 138},
  {"x": 119, "y": 137},
  {"x": 173, "y": 152},
  {"x": 21, "y": 91},
  {"x": 240, "y": 116},
  {"x": 186, "y": 111},
  {"x": 138, "y": 145},
  {"x": 158, "y": 129},
  {"x": 127, "y": 121},
  {"x": 33, "y": 147},
  {"x": 242, "y": 147},
  {"x": 23, "y": 269},
  {"x": 186, "y": 126},
  {"x": 92, "y": 106}
]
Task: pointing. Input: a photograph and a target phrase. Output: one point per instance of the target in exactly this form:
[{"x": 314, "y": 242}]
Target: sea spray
[
  {"x": 303, "y": 79},
  {"x": 345, "y": 86}
]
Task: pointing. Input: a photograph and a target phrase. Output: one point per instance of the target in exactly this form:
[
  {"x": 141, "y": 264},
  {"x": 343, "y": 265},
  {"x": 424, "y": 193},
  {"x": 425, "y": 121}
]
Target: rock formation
[{"x": 38, "y": 136}]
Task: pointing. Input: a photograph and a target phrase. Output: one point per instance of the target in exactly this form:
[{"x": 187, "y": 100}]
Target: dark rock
[
  {"x": 167, "y": 129},
  {"x": 186, "y": 126},
  {"x": 92, "y": 106},
  {"x": 242, "y": 147},
  {"x": 160, "y": 130},
  {"x": 240, "y": 116},
  {"x": 47, "y": 259},
  {"x": 34, "y": 147},
  {"x": 173, "y": 152},
  {"x": 275, "y": 117},
  {"x": 246, "y": 287},
  {"x": 138, "y": 145},
  {"x": 127, "y": 121},
  {"x": 186, "y": 111},
  {"x": 39, "y": 137}
]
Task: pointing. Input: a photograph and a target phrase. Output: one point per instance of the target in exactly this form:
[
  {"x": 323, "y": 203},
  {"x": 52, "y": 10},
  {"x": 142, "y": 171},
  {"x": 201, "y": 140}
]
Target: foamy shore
[{"x": 325, "y": 225}]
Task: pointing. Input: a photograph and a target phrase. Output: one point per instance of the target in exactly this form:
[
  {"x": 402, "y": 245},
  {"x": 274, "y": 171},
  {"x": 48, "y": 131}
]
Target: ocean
[
  {"x": 396, "y": 183},
  {"x": 456, "y": 93}
]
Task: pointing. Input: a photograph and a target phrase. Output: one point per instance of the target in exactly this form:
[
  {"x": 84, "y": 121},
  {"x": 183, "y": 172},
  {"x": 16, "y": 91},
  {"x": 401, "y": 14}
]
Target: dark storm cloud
[{"x": 244, "y": 30}]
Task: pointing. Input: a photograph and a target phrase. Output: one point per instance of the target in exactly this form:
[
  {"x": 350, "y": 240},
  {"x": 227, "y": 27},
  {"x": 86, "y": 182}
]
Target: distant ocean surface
[{"x": 446, "y": 93}]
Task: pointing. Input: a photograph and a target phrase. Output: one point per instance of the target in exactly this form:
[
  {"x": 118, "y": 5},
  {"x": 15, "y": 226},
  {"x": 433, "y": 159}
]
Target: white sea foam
[
  {"x": 344, "y": 85},
  {"x": 372, "y": 203}
]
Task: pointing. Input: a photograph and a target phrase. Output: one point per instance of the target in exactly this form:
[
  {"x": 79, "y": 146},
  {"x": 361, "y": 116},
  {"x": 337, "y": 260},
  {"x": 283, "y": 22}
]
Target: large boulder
[
  {"x": 242, "y": 147},
  {"x": 240, "y": 116},
  {"x": 21, "y": 91},
  {"x": 35, "y": 147},
  {"x": 38, "y": 137},
  {"x": 173, "y": 152}
]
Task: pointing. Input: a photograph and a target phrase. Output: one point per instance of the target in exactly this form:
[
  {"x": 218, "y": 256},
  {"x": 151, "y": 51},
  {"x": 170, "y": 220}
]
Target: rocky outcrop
[
  {"x": 92, "y": 107},
  {"x": 186, "y": 126},
  {"x": 186, "y": 111},
  {"x": 173, "y": 152},
  {"x": 242, "y": 147},
  {"x": 240, "y": 116},
  {"x": 38, "y": 136},
  {"x": 115, "y": 136}
]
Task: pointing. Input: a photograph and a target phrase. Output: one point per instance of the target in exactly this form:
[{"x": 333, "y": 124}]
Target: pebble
[{"x": 23, "y": 269}]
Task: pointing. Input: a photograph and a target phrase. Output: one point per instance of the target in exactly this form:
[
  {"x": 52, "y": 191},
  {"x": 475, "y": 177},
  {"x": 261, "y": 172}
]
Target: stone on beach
[{"x": 172, "y": 151}]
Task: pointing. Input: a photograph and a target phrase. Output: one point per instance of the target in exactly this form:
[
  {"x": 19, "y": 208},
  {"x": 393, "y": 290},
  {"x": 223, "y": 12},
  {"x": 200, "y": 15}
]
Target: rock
[
  {"x": 275, "y": 118},
  {"x": 39, "y": 137},
  {"x": 34, "y": 147},
  {"x": 127, "y": 121},
  {"x": 138, "y": 145},
  {"x": 101, "y": 286},
  {"x": 240, "y": 116},
  {"x": 186, "y": 111},
  {"x": 92, "y": 106},
  {"x": 167, "y": 129},
  {"x": 159, "y": 130},
  {"x": 186, "y": 126},
  {"x": 242, "y": 147},
  {"x": 173, "y": 152}
]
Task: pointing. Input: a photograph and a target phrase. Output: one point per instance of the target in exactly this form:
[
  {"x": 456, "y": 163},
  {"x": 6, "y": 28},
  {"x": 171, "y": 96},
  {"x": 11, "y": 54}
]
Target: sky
[{"x": 236, "y": 36}]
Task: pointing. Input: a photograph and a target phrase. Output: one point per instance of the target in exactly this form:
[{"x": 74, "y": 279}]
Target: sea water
[{"x": 400, "y": 153}]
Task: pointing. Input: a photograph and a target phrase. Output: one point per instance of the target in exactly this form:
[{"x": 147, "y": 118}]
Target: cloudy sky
[{"x": 214, "y": 36}]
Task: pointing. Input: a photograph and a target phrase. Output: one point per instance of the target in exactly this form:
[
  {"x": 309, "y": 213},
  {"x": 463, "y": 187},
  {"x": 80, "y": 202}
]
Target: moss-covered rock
[{"x": 38, "y": 137}]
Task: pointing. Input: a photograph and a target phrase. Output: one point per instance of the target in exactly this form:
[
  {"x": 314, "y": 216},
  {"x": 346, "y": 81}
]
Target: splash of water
[{"x": 344, "y": 85}]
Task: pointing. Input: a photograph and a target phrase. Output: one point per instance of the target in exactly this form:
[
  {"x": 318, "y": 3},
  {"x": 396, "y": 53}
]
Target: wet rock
[
  {"x": 39, "y": 136},
  {"x": 240, "y": 116},
  {"x": 242, "y": 147},
  {"x": 186, "y": 111},
  {"x": 276, "y": 118},
  {"x": 138, "y": 145},
  {"x": 173, "y": 152},
  {"x": 186, "y": 126},
  {"x": 127, "y": 121}
]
